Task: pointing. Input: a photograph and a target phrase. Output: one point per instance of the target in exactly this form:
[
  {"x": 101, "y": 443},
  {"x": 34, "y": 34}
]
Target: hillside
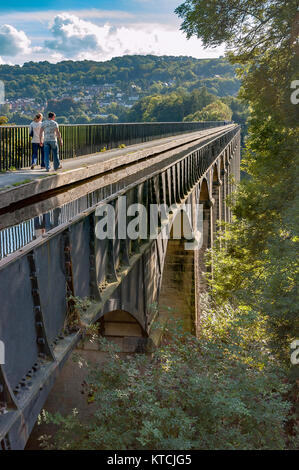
[
  {"x": 128, "y": 88},
  {"x": 41, "y": 79}
]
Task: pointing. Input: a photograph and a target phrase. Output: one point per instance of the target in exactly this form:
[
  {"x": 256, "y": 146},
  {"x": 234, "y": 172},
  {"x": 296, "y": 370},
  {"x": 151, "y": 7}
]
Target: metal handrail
[{"x": 85, "y": 139}]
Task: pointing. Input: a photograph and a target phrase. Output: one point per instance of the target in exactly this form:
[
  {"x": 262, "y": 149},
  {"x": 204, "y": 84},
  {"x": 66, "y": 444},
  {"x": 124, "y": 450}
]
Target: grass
[
  {"x": 19, "y": 183},
  {"x": 12, "y": 168}
]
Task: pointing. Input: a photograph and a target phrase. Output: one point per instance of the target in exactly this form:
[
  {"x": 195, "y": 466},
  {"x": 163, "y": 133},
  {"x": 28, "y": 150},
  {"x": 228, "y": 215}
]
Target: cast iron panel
[
  {"x": 80, "y": 251},
  {"x": 101, "y": 247},
  {"x": 17, "y": 322},
  {"x": 49, "y": 259}
]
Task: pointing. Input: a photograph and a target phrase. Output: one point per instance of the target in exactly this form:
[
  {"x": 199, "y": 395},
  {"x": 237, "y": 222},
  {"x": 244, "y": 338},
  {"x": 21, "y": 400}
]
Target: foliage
[
  {"x": 100, "y": 92},
  {"x": 239, "y": 109},
  {"x": 216, "y": 111},
  {"x": 20, "y": 119},
  {"x": 3, "y": 120},
  {"x": 223, "y": 391},
  {"x": 62, "y": 106},
  {"x": 171, "y": 107},
  {"x": 76, "y": 309},
  {"x": 256, "y": 263},
  {"x": 249, "y": 27},
  {"x": 45, "y": 80},
  {"x": 62, "y": 119},
  {"x": 20, "y": 183},
  {"x": 255, "y": 259}
]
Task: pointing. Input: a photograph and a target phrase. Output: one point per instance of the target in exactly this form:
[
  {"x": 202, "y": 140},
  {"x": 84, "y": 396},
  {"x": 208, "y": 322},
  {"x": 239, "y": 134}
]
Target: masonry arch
[
  {"x": 223, "y": 190},
  {"x": 122, "y": 328},
  {"x": 181, "y": 225},
  {"x": 215, "y": 173},
  {"x": 216, "y": 195},
  {"x": 176, "y": 293},
  {"x": 204, "y": 193},
  {"x": 221, "y": 163},
  {"x": 206, "y": 201}
]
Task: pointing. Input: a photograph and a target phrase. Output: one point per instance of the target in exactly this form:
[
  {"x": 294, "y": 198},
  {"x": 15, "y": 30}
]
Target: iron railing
[{"x": 85, "y": 139}]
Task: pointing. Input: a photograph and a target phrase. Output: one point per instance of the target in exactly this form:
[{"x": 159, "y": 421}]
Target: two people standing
[{"x": 44, "y": 135}]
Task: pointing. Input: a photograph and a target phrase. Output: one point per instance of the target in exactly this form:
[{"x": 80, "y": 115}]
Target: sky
[{"x": 93, "y": 30}]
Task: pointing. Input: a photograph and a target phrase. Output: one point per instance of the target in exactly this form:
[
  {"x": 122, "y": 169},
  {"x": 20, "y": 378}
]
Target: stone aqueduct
[{"x": 123, "y": 278}]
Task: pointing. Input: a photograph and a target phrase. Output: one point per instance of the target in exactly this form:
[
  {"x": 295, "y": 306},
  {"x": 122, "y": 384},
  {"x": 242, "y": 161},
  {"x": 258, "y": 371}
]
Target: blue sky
[
  {"x": 96, "y": 30},
  {"x": 125, "y": 5}
]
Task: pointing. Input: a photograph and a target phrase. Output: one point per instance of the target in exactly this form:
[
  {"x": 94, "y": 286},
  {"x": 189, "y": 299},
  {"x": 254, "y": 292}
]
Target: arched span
[
  {"x": 222, "y": 165},
  {"x": 176, "y": 293},
  {"x": 120, "y": 324},
  {"x": 204, "y": 193},
  {"x": 180, "y": 226},
  {"x": 123, "y": 329},
  {"x": 216, "y": 174},
  {"x": 216, "y": 194}
]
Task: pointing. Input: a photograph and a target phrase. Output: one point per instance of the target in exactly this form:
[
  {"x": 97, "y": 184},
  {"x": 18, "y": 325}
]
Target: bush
[
  {"x": 3, "y": 120},
  {"x": 223, "y": 391},
  {"x": 216, "y": 111},
  {"x": 62, "y": 119}
]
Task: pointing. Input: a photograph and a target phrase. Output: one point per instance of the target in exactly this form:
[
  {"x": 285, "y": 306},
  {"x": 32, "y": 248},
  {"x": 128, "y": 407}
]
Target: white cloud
[
  {"x": 80, "y": 39},
  {"x": 159, "y": 39},
  {"x": 13, "y": 42},
  {"x": 72, "y": 36},
  {"x": 94, "y": 34}
]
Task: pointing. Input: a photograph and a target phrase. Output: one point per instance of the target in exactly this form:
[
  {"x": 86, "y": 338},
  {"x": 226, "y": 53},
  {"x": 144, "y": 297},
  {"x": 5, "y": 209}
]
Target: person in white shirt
[
  {"x": 34, "y": 130},
  {"x": 50, "y": 132}
]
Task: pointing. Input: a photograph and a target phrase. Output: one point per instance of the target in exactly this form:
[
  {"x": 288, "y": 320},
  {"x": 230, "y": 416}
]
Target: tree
[
  {"x": 134, "y": 73},
  {"x": 240, "y": 110},
  {"x": 216, "y": 392},
  {"x": 112, "y": 118},
  {"x": 62, "y": 119},
  {"x": 173, "y": 106},
  {"x": 257, "y": 265},
  {"x": 60, "y": 107},
  {"x": 3, "y": 120},
  {"x": 248, "y": 27},
  {"x": 216, "y": 111},
  {"x": 82, "y": 119}
]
